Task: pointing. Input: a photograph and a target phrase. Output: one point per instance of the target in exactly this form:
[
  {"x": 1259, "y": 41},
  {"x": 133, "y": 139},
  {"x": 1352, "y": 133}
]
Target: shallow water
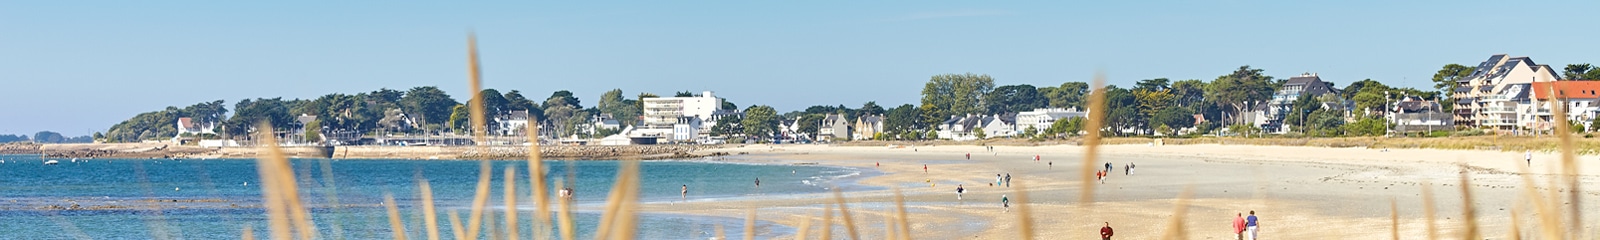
[{"x": 216, "y": 199}]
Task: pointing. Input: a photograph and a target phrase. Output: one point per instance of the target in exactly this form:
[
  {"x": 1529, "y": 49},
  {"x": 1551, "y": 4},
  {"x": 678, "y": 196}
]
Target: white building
[
  {"x": 512, "y": 124},
  {"x": 663, "y": 115},
  {"x": 1582, "y": 100},
  {"x": 189, "y": 126},
  {"x": 960, "y": 128},
  {"x": 1042, "y": 118},
  {"x": 686, "y": 129}
]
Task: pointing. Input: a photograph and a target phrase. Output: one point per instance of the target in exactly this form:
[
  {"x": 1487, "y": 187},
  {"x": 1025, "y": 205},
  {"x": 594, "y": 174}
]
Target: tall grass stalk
[
  {"x": 1091, "y": 141},
  {"x": 1469, "y": 216},
  {"x": 430, "y": 217},
  {"x": 844, "y": 212},
  {"x": 750, "y": 224},
  {"x": 511, "y": 203},
  {"x": 395, "y": 226},
  {"x": 1180, "y": 210},
  {"x": 1024, "y": 214},
  {"x": 541, "y": 198}
]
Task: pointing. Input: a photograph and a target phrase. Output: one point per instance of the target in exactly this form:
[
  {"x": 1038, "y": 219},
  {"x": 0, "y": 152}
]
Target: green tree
[
  {"x": 1577, "y": 71},
  {"x": 1188, "y": 93},
  {"x": 559, "y": 112},
  {"x": 760, "y": 121},
  {"x": 563, "y": 97},
  {"x": 313, "y": 131},
  {"x": 99, "y": 137},
  {"x": 613, "y": 103},
  {"x": 429, "y": 104},
  {"x": 809, "y": 124},
  {"x": 1173, "y": 117},
  {"x": 1445, "y": 79},
  {"x": 249, "y": 113},
  {"x": 953, "y": 94},
  {"x": 1151, "y": 102},
  {"x": 1029, "y": 132},
  {"x": 1300, "y": 110},
  {"x": 1240, "y": 90},
  {"x": 727, "y": 126},
  {"x": 460, "y": 116},
  {"x": 1068, "y": 95},
  {"x": 1152, "y": 84},
  {"x": 979, "y": 133},
  {"x": 1013, "y": 98},
  {"x": 870, "y": 108},
  {"x": 902, "y": 119}
]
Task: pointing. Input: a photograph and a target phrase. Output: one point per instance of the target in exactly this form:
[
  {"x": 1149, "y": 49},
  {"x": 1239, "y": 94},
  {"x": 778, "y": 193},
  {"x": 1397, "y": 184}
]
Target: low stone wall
[{"x": 19, "y": 148}]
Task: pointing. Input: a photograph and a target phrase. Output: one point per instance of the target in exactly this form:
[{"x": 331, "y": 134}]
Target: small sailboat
[{"x": 52, "y": 162}]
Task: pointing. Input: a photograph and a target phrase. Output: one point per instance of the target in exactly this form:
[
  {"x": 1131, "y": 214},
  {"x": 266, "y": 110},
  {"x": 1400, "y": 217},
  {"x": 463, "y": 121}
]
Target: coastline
[{"x": 1343, "y": 188}]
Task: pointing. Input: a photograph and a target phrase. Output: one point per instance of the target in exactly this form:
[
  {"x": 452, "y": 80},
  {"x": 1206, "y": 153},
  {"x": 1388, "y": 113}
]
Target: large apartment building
[
  {"x": 1487, "y": 83},
  {"x": 671, "y": 117}
]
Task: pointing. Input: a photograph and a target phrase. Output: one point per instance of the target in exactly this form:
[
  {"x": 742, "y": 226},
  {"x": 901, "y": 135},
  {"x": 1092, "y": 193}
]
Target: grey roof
[
  {"x": 1313, "y": 85},
  {"x": 1463, "y": 89},
  {"x": 871, "y": 118}
]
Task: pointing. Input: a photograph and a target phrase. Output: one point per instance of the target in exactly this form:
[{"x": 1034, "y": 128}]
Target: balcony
[
  {"x": 1498, "y": 110},
  {"x": 1497, "y": 122},
  {"x": 1462, "y": 111}
]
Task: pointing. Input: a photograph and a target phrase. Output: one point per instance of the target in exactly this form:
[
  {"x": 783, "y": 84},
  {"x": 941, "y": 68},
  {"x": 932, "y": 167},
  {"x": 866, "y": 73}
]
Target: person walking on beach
[
  {"x": 1251, "y": 225},
  {"x": 1238, "y": 226},
  {"x": 1036, "y": 158},
  {"x": 1130, "y": 167},
  {"x": 1105, "y": 232},
  {"x": 998, "y": 180},
  {"x": 1528, "y": 156},
  {"x": 1100, "y": 175},
  {"x": 1126, "y": 169},
  {"x": 969, "y": 156},
  {"x": 959, "y": 191},
  {"x": 686, "y": 192},
  {"x": 1052, "y": 165},
  {"x": 1108, "y": 166},
  {"x": 1008, "y": 180},
  {"x": 1005, "y": 202},
  {"x": 924, "y": 168}
]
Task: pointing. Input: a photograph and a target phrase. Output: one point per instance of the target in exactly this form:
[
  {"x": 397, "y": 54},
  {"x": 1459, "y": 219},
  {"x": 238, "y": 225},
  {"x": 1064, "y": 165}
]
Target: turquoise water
[{"x": 216, "y": 199}]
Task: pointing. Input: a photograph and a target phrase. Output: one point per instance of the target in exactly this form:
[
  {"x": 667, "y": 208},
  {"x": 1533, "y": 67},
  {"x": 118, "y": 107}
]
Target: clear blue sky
[{"x": 75, "y": 67}]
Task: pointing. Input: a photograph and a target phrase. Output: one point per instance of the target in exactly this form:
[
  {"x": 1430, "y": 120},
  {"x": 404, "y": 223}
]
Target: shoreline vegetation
[{"x": 656, "y": 152}]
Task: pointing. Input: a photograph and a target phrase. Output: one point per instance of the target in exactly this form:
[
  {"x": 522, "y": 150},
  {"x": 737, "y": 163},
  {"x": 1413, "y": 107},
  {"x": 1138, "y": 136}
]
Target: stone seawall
[{"x": 360, "y": 152}]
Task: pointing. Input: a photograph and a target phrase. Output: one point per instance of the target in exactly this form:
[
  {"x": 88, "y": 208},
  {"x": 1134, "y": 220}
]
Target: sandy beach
[{"x": 1298, "y": 192}]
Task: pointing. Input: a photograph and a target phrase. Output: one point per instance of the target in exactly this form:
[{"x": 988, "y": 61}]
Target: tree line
[
  {"x": 1150, "y": 106},
  {"x": 419, "y": 110}
]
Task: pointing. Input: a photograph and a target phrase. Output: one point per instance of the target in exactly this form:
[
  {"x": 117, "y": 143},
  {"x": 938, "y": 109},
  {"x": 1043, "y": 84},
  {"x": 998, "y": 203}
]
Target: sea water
[{"x": 218, "y": 198}]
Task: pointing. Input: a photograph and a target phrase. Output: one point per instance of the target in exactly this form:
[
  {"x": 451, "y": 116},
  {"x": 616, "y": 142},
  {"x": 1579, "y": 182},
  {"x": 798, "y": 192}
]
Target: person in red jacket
[
  {"x": 1238, "y": 226},
  {"x": 1105, "y": 232}
]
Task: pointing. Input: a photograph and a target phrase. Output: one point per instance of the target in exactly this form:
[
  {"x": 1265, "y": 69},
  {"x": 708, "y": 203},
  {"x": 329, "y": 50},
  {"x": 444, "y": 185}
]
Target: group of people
[
  {"x": 565, "y": 192},
  {"x": 1245, "y": 226},
  {"x": 1002, "y": 181}
]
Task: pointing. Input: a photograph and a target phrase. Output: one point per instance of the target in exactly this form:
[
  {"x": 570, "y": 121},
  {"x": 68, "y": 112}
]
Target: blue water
[{"x": 216, "y": 199}]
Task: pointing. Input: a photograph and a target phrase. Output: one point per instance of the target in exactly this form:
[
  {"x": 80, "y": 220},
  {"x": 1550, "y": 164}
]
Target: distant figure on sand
[
  {"x": 924, "y": 168},
  {"x": 1008, "y": 180},
  {"x": 1005, "y": 202},
  {"x": 1108, "y": 166},
  {"x": 1052, "y": 165},
  {"x": 998, "y": 180},
  {"x": 1238, "y": 226},
  {"x": 1036, "y": 158},
  {"x": 1250, "y": 225},
  {"x": 1100, "y": 175},
  {"x": 969, "y": 156},
  {"x": 1528, "y": 156},
  {"x": 1105, "y": 232},
  {"x": 1127, "y": 169},
  {"x": 1131, "y": 166},
  {"x": 959, "y": 191}
]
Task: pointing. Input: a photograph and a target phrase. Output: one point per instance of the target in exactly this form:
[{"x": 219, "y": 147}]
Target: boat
[{"x": 51, "y": 162}]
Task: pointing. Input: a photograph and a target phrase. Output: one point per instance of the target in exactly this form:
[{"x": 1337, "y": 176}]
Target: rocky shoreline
[{"x": 134, "y": 150}]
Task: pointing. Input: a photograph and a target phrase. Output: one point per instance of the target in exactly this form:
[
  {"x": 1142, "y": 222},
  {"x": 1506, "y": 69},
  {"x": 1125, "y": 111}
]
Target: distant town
[{"x": 1501, "y": 95}]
